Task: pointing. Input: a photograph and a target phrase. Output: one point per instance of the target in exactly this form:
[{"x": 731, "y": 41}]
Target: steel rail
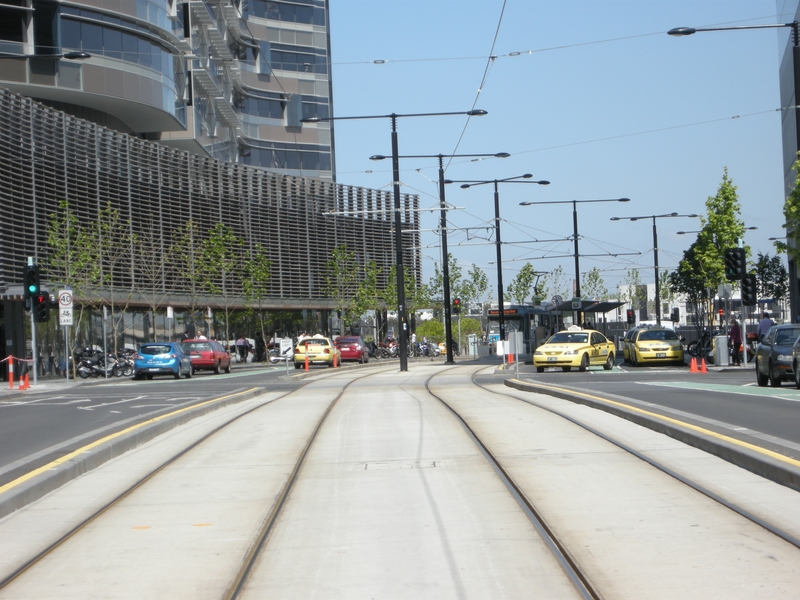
[
  {"x": 577, "y": 576},
  {"x": 788, "y": 537}
]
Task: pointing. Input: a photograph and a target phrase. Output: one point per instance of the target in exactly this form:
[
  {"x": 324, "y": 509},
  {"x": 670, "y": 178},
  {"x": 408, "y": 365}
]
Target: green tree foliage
[
  {"x": 223, "y": 253},
  {"x": 558, "y": 284},
  {"x": 521, "y": 287},
  {"x": 593, "y": 286},
  {"x": 689, "y": 280},
  {"x": 257, "y": 270},
  {"x": 632, "y": 291},
  {"x": 186, "y": 259},
  {"x": 114, "y": 245},
  {"x": 433, "y": 329},
  {"x": 791, "y": 219},
  {"x": 341, "y": 281},
  {"x": 773, "y": 280},
  {"x": 474, "y": 286}
]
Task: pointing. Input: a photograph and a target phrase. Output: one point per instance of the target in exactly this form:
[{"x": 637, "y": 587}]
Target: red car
[
  {"x": 352, "y": 348},
  {"x": 207, "y": 354}
]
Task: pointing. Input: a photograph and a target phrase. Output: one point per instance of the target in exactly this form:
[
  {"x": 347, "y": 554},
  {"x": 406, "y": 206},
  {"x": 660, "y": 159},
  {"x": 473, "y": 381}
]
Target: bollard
[
  {"x": 10, "y": 372},
  {"x": 334, "y": 357},
  {"x": 306, "y": 344}
]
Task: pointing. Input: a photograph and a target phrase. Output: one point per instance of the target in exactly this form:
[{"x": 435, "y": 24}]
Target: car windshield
[
  {"x": 787, "y": 337},
  {"x": 196, "y": 346},
  {"x": 660, "y": 335},
  {"x": 569, "y": 337},
  {"x": 155, "y": 350}
]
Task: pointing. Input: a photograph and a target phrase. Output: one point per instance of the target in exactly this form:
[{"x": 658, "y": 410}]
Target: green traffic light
[{"x": 32, "y": 288}]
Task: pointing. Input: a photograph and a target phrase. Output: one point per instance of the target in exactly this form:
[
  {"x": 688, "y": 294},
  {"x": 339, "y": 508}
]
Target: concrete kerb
[
  {"x": 750, "y": 460},
  {"x": 46, "y": 482}
]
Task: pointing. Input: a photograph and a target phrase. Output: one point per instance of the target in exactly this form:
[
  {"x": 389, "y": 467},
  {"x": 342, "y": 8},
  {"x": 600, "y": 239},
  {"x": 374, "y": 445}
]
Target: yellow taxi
[
  {"x": 575, "y": 347},
  {"x": 653, "y": 345},
  {"x": 319, "y": 349}
]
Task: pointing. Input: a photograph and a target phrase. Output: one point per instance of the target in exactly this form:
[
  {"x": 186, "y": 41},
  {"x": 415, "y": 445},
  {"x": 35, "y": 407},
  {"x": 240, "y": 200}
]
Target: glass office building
[{"x": 228, "y": 79}]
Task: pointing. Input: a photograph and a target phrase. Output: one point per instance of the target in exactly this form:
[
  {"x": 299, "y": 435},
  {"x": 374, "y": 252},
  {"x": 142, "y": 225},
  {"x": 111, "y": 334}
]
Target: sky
[{"x": 591, "y": 95}]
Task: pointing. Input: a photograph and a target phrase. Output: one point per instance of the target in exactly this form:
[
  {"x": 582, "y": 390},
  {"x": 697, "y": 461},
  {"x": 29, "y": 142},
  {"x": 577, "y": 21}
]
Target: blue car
[{"x": 161, "y": 358}]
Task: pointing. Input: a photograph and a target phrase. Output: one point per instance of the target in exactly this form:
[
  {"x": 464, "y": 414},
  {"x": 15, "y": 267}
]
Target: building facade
[{"x": 227, "y": 79}]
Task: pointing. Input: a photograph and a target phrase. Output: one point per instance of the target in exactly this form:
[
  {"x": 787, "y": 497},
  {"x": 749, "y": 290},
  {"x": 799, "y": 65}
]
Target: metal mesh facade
[{"x": 47, "y": 157}]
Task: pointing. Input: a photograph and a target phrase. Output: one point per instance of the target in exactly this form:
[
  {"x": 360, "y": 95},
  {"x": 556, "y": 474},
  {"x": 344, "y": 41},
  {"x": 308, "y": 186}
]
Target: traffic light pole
[{"x": 33, "y": 331}]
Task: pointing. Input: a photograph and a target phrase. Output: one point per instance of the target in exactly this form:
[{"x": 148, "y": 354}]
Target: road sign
[
  {"x": 64, "y": 299},
  {"x": 65, "y": 316}
]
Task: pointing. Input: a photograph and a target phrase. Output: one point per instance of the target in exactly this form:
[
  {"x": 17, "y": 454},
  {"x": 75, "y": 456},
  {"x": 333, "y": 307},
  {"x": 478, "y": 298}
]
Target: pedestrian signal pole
[{"x": 30, "y": 277}]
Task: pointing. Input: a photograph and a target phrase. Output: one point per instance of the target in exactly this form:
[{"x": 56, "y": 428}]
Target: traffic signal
[
  {"x": 676, "y": 315},
  {"x": 749, "y": 291},
  {"x": 735, "y": 264},
  {"x": 30, "y": 282},
  {"x": 631, "y": 316},
  {"x": 457, "y": 306},
  {"x": 41, "y": 307}
]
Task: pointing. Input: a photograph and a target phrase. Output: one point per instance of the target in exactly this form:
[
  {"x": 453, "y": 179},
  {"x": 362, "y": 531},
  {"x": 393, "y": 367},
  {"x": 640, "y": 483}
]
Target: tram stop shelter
[{"x": 597, "y": 308}]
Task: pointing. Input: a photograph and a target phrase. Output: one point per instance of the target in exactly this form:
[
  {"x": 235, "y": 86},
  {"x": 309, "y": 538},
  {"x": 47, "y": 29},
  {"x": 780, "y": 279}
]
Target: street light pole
[
  {"x": 448, "y": 323},
  {"x": 655, "y": 252},
  {"x": 576, "y": 254},
  {"x": 794, "y": 293},
  {"x": 497, "y": 240},
  {"x": 402, "y": 323}
]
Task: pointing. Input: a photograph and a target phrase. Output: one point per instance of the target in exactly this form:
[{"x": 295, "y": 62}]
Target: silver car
[{"x": 776, "y": 355}]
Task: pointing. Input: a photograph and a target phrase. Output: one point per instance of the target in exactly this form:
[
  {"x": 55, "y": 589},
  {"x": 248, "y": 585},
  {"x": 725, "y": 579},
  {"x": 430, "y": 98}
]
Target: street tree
[
  {"x": 152, "y": 282},
  {"x": 114, "y": 246},
  {"x": 771, "y": 275},
  {"x": 632, "y": 291},
  {"x": 791, "y": 219},
  {"x": 558, "y": 283},
  {"x": 223, "y": 253},
  {"x": 257, "y": 270},
  {"x": 341, "y": 282},
  {"x": 521, "y": 287},
  {"x": 186, "y": 262},
  {"x": 689, "y": 280},
  {"x": 593, "y": 286}
]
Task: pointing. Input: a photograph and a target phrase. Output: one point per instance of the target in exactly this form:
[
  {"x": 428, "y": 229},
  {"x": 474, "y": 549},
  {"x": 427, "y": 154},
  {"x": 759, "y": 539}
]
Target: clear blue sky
[{"x": 589, "y": 94}]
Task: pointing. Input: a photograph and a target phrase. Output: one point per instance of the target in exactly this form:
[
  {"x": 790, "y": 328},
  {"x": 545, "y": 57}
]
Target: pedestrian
[
  {"x": 260, "y": 347},
  {"x": 186, "y": 336},
  {"x": 763, "y": 325},
  {"x": 241, "y": 347},
  {"x": 735, "y": 337}
]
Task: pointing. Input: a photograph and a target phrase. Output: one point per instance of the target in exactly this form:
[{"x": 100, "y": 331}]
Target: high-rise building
[{"x": 228, "y": 79}]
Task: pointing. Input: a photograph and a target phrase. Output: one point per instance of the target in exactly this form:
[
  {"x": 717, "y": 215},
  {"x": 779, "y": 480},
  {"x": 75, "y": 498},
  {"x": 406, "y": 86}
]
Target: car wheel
[
  {"x": 228, "y": 368},
  {"x": 217, "y": 370},
  {"x": 189, "y": 373},
  {"x": 773, "y": 380},
  {"x": 584, "y": 363},
  {"x": 361, "y": 359},
  {"x": 178, "y": 373},
  {"x": 609, "y": 362},
  {"x": 566, "y": 369},
  {"x": 760, "y": 377},
  {"x": 540, "y": 369}
]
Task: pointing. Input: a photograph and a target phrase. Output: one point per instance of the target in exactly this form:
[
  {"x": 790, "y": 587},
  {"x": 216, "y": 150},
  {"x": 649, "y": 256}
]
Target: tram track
[
  {"x": 268, "y": 534},
  {"x": 252, "y": 553}
]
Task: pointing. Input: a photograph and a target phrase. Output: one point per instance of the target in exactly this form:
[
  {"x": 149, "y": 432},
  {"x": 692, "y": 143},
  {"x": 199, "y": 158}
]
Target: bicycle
[{"x": 702, "y": 347}]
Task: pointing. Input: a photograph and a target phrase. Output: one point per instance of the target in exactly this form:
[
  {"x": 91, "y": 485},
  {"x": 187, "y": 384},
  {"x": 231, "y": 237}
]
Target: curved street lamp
[
  {"x": 402, "y": 324},
  {"x": 448, "y": 324},
  {"x": 497, "y": 241},
  {"x": 655, "y": 251}
]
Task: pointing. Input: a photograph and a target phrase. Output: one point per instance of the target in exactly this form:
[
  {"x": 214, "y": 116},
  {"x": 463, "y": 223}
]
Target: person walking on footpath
[
  {"x": 242, "y": 346},
  {"x": 763, "y": 325},
  {"x": 735, "y": 337}
]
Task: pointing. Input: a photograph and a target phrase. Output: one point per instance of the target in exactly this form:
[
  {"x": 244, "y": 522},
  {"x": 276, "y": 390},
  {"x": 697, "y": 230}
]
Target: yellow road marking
[
  {"x": 202, "y": 525},
  {"x": 142, "y": 527},
  {"x": 708, "y": 432},
  {"x": 60, "y": 461}
]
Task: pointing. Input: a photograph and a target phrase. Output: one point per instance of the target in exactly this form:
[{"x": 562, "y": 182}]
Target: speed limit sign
[{"x": 65, "y": 299}]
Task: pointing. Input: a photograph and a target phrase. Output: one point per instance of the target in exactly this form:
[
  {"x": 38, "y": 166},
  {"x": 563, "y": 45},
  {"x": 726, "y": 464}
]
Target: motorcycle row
[{"x": 92, "y": 363}]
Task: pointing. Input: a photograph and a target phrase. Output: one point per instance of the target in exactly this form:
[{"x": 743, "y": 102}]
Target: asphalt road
[
  {"x": 55, "y": 418},
  {"x": 727, "y": 400}
]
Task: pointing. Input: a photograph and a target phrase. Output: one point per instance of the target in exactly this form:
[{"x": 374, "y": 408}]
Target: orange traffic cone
[
  {"x": 23, "y": 382},
  {"x": 693, "y": 365},
  {"x": 703, "y": 368}
]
